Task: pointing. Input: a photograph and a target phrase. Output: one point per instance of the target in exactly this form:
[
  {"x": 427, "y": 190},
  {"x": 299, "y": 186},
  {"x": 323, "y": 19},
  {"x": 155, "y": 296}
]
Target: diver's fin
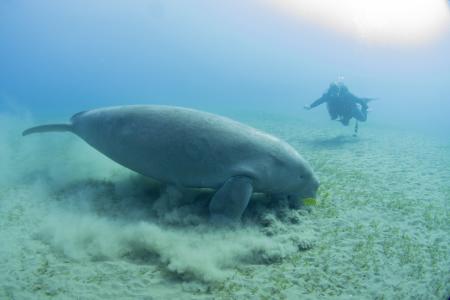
[
  {"x": 48, "y": 128},
  {"x": 367, "y": 100}
]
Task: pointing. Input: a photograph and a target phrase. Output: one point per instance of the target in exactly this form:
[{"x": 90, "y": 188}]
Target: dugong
[{"x": 195, "y": 149}]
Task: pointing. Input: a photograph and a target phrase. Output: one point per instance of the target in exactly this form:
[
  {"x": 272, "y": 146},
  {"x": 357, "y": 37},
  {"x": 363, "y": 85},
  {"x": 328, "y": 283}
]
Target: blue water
[
  {"x": 74, "y": 55},
  {"x": 74, "y": 219}
]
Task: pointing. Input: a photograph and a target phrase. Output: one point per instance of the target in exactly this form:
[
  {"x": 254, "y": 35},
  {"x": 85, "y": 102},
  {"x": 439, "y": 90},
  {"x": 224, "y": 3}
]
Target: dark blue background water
[{"x": 59, "y": 57}]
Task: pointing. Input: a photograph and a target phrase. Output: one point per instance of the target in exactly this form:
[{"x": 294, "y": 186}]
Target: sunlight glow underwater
[{"x": 396, "y": 22}]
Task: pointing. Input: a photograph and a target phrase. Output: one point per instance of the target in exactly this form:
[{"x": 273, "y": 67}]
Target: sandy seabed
[{"x": 74, "y": 225}]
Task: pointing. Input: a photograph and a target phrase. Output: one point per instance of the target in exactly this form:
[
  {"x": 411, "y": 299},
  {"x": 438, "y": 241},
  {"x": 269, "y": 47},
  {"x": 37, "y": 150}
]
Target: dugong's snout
[
  {"x": 307, "y": 194},
  {"x": 310, "y": 188}
]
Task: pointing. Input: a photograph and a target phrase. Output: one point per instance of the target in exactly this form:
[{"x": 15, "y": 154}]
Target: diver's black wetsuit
[{"x": 343, "y": 104}]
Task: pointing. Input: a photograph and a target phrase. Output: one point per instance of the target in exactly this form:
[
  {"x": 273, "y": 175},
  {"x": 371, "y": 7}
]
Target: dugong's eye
[{"x": 301, "y": 176}]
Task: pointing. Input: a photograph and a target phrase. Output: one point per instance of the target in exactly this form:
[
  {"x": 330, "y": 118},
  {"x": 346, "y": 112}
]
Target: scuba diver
[{"x": 343, "y": 105}]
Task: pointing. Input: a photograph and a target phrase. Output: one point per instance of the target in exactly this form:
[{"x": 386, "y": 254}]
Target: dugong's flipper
[
  {"x": 48, "y": 128},
  {"x": 230, "y": 201}
]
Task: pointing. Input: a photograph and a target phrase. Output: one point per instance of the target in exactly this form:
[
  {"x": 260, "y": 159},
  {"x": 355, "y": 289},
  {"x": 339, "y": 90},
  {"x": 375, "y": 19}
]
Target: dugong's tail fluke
[{"x": 48, "y": 128}]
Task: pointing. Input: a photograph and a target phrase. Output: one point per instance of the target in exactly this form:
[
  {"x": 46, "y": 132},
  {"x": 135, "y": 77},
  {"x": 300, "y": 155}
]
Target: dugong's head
[
  {"x": 302, "y": 182},
  {"x": 293, "y": 176}
]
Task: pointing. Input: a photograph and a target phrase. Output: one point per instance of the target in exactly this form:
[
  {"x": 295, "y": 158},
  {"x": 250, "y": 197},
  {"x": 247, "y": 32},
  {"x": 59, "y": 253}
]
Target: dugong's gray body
[{"x": 191, "y": 148}]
